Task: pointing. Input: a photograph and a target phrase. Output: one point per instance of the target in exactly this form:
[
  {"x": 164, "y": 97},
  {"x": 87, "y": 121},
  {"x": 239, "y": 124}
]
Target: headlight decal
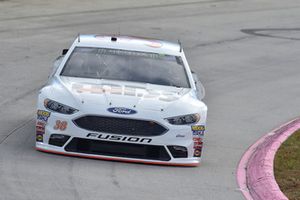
[
  {"x": 184, "y": 119},
  {"x": 59, "y": 107}
]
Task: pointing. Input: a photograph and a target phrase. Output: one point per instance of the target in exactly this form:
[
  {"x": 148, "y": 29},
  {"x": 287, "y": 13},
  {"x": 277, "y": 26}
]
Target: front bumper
[{"x": 180, "y": 136}]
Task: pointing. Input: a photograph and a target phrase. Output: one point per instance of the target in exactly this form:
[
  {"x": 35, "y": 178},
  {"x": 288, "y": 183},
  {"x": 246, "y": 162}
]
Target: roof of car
[{"x": 129, "y": 43}]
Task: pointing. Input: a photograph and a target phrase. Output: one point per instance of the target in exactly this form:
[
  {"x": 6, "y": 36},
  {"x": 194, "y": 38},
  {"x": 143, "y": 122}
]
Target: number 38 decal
[{"x": 60, "y": 125}]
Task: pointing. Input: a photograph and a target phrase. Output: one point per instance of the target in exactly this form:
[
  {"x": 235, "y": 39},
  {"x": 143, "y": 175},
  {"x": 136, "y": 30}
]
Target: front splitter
[{"x": 193, "y": 163}]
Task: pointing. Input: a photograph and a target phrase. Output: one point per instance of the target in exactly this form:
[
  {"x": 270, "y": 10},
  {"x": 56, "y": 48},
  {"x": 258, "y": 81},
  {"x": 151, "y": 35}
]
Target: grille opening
[
  {"x": 118, "y": 149},
  {"x": 178, "y": 151},
  {"x": 58, "y": 139},
  {"x": 120, "y": 126}
]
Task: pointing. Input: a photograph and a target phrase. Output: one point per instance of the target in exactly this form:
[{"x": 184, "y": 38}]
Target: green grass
[{"x": 287, "y": 167}]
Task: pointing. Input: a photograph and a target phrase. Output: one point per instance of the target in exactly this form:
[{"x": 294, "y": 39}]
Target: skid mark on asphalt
[
  {"x": 71, "y": 179},
  {"x": 118, "y": 9},
  {"x": 19, "y": 97},
  {"x": 270, "y": 32},
  {"x": 113, "y": 176},
  {"x": 16, "y": 129},
  {"x": 123, "y": 20},
  {"x": 220, "y": 42}
]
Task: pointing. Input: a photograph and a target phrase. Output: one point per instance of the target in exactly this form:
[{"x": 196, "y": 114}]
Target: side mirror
[
  {"x": 64, "y": 51},
  {"x": 199, "y": 86}
]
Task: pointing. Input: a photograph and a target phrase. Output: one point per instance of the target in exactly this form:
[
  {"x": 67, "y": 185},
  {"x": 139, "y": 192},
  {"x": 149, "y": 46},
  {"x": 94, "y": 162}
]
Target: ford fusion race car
[{"x": 122, "y": 98}]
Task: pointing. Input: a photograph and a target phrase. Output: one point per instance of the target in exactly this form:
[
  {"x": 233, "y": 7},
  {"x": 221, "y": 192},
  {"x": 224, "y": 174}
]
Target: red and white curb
[{"x": 255, "y": 175}]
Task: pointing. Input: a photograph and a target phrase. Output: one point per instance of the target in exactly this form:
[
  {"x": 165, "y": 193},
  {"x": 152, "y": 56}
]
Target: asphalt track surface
[{"x": 245, "y": 52}]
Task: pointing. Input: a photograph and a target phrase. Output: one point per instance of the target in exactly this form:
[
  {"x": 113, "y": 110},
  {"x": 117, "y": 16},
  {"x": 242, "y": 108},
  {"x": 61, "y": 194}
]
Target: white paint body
[{"x": 151, "y": 102}]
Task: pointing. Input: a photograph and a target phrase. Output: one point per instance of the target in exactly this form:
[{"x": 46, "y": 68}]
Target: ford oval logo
[{"x": 122, "y": 111}]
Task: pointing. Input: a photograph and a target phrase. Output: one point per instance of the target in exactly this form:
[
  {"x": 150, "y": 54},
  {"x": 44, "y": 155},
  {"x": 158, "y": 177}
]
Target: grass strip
[{"x": 287, "y": 167}]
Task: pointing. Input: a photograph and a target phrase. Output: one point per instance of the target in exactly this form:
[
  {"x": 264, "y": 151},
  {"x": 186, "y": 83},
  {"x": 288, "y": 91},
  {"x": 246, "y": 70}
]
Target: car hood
[{"x": 109, "y": 93}]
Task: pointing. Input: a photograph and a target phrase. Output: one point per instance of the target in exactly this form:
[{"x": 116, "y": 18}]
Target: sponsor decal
[
  {"x": 119, "y": 138},
  {"x": 154, "y": 44},
  {"x": 39, "y": 137},
  {"x": 40, "y": 130},
  {"x": 60, "y": 125},
  {"x": 131, "y": 53},
  {"x": 198, "y": 133},
  {"x": 42, "y": 118},
  {"x": 43, "y": 115},
  {"x": 198, "y": 128},
  {"x": 122, "y": 111},
  {"x": 40, "y": 127},
  {"x": 180, "y": 136},
  {"x": 39, "y": 123},
  {"x": 126, "y": 91},
  {"x": 197, "y": 152},
  {"x": 197, "y": 143}
]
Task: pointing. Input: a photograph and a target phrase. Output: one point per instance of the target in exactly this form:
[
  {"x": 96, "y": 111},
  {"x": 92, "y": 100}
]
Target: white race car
[{"x": 122, "y": 98}]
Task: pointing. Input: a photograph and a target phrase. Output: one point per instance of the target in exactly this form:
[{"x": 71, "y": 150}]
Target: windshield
[{"x": 123, "y": 65}]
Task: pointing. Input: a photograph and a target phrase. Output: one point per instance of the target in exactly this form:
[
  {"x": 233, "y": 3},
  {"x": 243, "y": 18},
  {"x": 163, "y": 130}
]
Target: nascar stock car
[{"x": 122, "y": 98}]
